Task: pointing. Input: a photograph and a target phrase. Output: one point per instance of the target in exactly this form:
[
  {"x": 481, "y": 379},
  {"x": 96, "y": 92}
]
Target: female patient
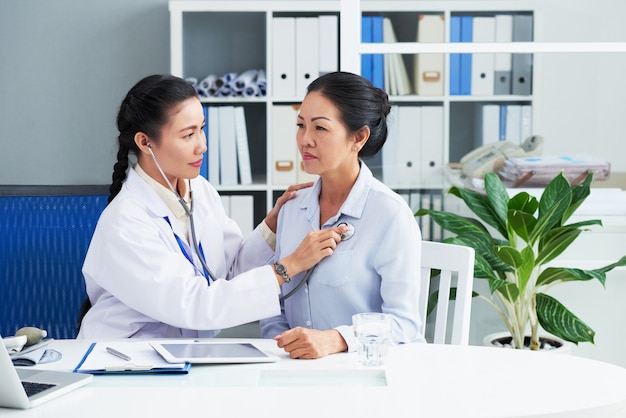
[
  {"x": 153, "y": 269},
  {"x": 343, "y": 118}
]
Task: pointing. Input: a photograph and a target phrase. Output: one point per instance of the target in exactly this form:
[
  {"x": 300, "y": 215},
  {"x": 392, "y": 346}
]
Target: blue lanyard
[{"x": 186, "y": 254}]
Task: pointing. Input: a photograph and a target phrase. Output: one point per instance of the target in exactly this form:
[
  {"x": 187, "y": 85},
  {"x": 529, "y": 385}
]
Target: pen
[{"x": 118, "y": 354}]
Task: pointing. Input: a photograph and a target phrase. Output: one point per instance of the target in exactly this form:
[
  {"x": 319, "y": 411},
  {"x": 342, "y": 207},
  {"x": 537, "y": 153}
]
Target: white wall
[
  {"x": 65, "y": 66},
  {"x": 579, "y": 104}
]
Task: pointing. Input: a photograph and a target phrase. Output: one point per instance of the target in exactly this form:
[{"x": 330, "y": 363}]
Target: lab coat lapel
[{"x": 154, "y": 204}]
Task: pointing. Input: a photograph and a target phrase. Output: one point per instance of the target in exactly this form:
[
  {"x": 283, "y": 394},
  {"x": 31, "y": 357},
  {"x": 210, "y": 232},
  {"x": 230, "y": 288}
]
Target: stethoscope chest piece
[{"x": 349, "y": 233}]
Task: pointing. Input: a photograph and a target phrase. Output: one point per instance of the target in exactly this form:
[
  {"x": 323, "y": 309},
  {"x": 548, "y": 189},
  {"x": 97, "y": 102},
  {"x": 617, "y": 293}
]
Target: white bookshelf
[{"x": 252, "y": 20}]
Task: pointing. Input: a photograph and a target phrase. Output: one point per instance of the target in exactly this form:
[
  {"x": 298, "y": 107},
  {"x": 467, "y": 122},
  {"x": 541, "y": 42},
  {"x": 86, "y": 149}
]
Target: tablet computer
[{"x": 211, "y": 352}]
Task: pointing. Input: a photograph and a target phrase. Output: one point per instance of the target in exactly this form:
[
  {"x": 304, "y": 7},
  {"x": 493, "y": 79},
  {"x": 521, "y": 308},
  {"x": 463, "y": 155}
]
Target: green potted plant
[{"x": 527, "y": 234}]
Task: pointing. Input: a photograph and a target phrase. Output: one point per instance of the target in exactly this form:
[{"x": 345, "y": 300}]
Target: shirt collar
[{"x": 353, "y": 205}]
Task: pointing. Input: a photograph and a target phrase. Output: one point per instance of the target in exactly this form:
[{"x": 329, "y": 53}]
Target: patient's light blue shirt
[{"x": 377, "y": 270}]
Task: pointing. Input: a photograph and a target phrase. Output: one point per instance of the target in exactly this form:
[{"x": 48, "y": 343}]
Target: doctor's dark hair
[
  {"x": 359, "y": 103},
  {"x": 145, "y": 109}
]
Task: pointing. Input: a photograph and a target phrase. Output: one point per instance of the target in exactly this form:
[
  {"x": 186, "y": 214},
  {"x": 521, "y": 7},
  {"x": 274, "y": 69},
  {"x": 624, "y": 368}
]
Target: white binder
[
  {"x": 307, "y": 58},
  {"x": 228, "y": 146},
  {"x": 242, "y": 212},
  {"x": 502, "y": 63},
  {"x": 431, "y": 145},
  {"x": 429, "y": 67},
  {"x": 214, "y": 145},
  {"x": 283, "y": 56},
  {"x": 390, "y": 149},
  {"x": 526, "y": 122},
  {"x": 243, "y": 153},
  {"x": 284, "y": 149},
  {"x": 484, "y": 30},
  {"x": 490, "y": 126},
  {"x": 328, "y": 44},
  {"x": 521, "y": 64},
  {"x": 409, "y": 145},
  {"x": 514, "y": 124}
]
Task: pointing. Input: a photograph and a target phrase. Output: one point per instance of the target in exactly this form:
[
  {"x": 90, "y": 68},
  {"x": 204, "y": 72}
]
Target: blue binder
[
  {"x": 455, "y": 59},
  {"x": 204, "y": 168},
  {"x": 466, "y": 59},
  {"x": 378, "y": 60},
  {"x": 366, "y": 36}
]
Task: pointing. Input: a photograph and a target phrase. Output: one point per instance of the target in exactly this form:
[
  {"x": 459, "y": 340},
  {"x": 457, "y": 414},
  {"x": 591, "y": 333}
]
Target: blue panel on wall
[{"x": 43, "y": 242}]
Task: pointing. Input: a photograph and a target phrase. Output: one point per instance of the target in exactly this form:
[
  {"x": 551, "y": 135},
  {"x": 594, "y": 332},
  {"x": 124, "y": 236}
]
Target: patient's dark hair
[
  {"x": 359, "y": 103},
  {"x": 145, "y": 109}
]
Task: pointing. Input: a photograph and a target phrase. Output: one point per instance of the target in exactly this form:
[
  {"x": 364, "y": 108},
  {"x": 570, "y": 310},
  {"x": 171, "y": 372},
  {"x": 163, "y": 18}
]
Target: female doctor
[{"x": 164, "y": 259}]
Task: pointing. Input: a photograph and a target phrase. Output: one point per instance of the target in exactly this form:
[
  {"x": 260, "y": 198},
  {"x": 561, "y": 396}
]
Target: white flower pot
[{"x": 549, "y": 343}]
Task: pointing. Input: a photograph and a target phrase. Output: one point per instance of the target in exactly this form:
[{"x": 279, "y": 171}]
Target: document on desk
[{"x": 112, "y": 357}]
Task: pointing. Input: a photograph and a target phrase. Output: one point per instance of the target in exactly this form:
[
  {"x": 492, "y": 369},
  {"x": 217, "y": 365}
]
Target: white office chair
[{"x": 449, "y": 259}]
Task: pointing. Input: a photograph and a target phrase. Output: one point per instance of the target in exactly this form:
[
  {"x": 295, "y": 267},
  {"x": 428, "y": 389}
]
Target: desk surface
[{"x": 420, "y": 380}]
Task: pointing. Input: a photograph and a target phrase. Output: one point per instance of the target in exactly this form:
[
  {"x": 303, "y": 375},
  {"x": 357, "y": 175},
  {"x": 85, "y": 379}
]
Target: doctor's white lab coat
[{"x": 141, "y": 285}]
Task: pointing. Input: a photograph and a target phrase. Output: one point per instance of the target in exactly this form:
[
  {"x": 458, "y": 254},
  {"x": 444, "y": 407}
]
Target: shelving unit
[
  {"x": 209, "y": 36},
  {"x": 216, "y": 37}
]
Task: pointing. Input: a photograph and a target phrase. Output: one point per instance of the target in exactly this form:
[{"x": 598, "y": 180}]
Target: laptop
[{"x": 24, "y": 388}]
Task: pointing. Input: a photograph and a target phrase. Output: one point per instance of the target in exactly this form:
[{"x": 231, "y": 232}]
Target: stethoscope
[
  {"x": 344, "y": 237},
  {"x": 189, "y": 212}
]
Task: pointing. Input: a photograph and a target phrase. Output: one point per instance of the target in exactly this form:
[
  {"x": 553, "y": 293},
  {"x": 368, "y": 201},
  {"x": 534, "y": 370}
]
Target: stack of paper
[{"x": 541, "y": 170}]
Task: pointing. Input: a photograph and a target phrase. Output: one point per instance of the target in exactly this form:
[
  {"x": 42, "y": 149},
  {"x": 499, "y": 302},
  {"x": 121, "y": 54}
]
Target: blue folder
[{"x": 466, "y": 59}]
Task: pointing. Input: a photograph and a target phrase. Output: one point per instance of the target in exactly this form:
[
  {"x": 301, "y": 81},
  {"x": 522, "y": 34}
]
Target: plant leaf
[
  {"x": 498, "y": 197},
  {"x": 579, "y": 193},
  {"x": 481, "y": 206},
  {"x": 454, "y": 223},
  {"x": 563, "y": 274},
  {"x": 551, "y": 209},
  {"x": 510, "y": 256},
  {"x": 522, "y": 223},
  {"x": 525, "y": 270},
  {"x": 507, "y": 290},
  {"x": 555, "y": 242},
  {"x": 524, "y": 202},
  {"x": 559, "y": 321},
  {"x": 484, "y": 248}
]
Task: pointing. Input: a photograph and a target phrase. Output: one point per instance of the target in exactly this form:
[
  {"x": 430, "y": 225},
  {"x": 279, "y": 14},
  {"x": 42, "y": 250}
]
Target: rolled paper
[
  {"x": 261, "y": 83},
  {"x": 245, "y": 79}
]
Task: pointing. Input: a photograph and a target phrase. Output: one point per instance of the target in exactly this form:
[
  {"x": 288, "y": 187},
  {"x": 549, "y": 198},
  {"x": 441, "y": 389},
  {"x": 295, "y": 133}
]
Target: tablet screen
[{"x": 212, "y": 352}]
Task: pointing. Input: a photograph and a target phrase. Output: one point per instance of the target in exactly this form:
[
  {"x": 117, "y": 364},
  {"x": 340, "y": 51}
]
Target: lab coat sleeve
[{"x": 134, "y": 258}]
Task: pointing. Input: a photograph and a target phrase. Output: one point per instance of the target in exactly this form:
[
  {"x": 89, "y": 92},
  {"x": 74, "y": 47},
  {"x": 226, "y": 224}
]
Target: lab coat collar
[
  {"x": 354, "y": 204},
  {"x": 136, "y": 186}
]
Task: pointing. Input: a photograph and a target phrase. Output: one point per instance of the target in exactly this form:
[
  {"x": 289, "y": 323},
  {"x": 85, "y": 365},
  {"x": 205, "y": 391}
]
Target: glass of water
[{"x": 373, "y": 335}]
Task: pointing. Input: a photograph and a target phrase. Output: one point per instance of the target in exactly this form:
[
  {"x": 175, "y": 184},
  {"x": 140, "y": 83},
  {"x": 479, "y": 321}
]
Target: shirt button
[{"x": 308, "y": 323}]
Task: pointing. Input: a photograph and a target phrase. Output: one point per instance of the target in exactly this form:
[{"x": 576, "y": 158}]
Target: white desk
[{"x": 421, "y": 381}]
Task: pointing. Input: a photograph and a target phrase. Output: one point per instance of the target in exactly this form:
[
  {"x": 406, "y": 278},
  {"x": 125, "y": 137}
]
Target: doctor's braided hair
[
  {"x": 145, "y": 109},
  {"x": 359, "y": 103}
]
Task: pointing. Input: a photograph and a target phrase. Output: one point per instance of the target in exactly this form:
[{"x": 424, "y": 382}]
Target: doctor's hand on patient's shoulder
[
  {"x": 272, "y": 216},
  {"x": 304, "y": 343},
  {"x": 313, "y": 248}
]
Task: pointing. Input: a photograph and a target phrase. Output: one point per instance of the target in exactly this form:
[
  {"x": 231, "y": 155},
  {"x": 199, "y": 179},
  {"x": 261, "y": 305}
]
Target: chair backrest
[
  {"x": 43, "y": 242},
  {"x": 453, "y": 261}
]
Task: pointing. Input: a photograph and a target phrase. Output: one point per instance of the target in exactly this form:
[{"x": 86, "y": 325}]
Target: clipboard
[{"x": 143, "y": 359}]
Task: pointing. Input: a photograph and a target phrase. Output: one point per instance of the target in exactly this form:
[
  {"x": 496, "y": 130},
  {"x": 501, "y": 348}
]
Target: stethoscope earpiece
[{"x": 349, "y": 233}]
